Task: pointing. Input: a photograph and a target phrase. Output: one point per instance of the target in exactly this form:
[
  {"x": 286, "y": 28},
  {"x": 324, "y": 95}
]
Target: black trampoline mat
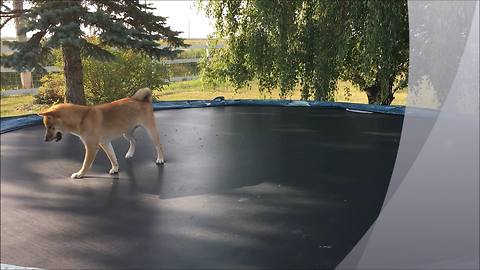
[{"x": 242, "y": 187}]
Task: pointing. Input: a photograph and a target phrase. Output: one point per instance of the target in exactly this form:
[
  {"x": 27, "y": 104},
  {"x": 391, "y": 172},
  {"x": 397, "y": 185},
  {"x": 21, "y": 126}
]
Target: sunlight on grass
[
  {"x": 19, "y": 105},
  {"x": 194, "y": 90}
]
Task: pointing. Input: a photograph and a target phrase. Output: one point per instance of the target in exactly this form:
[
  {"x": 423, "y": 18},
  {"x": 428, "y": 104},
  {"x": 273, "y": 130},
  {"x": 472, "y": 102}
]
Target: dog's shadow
[
  {"x": 91, "y": 176},
  {"x": 141, "y": 177}
]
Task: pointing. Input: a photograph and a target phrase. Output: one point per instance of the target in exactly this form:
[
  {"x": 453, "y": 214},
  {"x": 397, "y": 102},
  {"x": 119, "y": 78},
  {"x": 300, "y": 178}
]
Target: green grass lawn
[
  {"x": 19, "y": 105},
  {"x": 194, "y": 90}
]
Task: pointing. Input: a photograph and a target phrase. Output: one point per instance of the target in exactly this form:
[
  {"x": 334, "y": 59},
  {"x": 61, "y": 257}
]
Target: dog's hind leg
[
  {"x": 152, "y": 131},
  {"x": 91, "y": 150},
  {"x": 108, "y": 149},
  {"x": 129, "y": 136}
]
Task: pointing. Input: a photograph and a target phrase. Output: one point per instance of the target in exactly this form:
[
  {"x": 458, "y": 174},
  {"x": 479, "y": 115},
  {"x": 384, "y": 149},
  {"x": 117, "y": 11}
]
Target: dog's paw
[
  {"x": 76, "y": 175},
  {"x": 113, "y": 171},
  {"x": 128, "y": 156},
  {"x": 160, "y": 161}
]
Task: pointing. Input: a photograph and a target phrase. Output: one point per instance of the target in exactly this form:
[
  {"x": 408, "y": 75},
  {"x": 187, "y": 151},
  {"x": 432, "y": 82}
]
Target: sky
[{"x": 181, "y": 16}]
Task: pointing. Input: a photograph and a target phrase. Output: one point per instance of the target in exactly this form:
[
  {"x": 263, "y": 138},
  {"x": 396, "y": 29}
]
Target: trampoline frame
[{"x": 17, "y": 122}]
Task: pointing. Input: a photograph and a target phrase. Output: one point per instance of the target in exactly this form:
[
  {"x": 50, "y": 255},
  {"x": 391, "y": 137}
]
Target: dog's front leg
[
  {"x": 108, "y": 149},
  {"x": 90, "y": 153}
]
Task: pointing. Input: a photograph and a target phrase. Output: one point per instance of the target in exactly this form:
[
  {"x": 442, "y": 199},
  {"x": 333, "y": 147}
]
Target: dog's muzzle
[{"x": 58, "y": 136}]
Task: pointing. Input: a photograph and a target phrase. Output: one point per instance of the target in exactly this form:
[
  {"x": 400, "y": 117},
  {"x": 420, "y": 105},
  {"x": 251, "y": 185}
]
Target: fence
[{"x": 184, "y": 68}]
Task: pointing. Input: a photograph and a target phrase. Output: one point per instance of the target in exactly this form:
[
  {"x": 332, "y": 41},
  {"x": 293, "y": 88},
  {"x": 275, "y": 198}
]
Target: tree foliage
[
  {"x": 63, "y": 24},
  {"x": 311, "y": 44},
  {"x": 107, "y": 81},
  {"x": 52, "y": 89}
]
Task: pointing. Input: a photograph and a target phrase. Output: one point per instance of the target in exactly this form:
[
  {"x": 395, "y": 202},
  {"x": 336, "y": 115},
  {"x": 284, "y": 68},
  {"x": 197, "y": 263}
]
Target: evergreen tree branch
[{"x": 28, "y": 55}]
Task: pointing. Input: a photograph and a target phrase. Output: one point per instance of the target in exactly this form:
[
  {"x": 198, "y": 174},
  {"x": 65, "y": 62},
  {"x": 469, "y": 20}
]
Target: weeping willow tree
[{"x": 311, "y": 44}]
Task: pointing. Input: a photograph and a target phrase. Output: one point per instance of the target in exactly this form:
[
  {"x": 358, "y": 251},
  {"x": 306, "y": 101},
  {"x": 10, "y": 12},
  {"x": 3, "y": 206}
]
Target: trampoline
[{"x": 242, "y": 187}]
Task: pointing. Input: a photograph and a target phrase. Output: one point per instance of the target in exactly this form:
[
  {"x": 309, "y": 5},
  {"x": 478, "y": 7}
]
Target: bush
[
  {"x": 52, "y": 89},
  {"x": 212, "y": 72},
  {"x": 108, "y": 81}
]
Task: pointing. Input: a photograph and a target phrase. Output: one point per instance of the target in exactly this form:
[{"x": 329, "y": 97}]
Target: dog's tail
[{"x": 144, "y": 94}]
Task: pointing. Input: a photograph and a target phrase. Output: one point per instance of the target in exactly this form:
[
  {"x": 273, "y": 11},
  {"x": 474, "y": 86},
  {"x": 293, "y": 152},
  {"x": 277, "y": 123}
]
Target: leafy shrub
[
  {"x": 212, "y": 70},
  {"x": 107, "y": 81},
  {"x": 52, "y": 89}
]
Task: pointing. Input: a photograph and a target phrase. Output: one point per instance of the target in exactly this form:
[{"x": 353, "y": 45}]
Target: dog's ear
[{"x": 50, "y": 113}]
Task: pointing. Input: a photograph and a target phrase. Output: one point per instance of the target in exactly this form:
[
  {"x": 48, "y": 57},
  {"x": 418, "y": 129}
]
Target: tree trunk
[
  {"x": 388, "y": 100},
  {"x": 374, "y": 95},
  {"x": 73, "y": 71}
]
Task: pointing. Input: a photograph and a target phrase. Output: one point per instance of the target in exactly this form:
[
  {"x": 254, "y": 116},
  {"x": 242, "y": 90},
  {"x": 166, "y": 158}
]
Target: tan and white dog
[{"x": 98, "y": 125}]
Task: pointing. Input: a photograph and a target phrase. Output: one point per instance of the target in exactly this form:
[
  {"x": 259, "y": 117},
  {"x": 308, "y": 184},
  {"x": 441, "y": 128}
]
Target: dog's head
[{"x": 52, "y": 123}]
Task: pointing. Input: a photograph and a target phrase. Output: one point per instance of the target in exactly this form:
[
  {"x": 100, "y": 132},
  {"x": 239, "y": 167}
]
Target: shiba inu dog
[{"x": 98, "y": 125}]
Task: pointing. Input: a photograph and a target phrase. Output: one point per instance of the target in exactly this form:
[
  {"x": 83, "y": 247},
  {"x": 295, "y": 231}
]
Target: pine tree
[{"x": 63, "y": 24}]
